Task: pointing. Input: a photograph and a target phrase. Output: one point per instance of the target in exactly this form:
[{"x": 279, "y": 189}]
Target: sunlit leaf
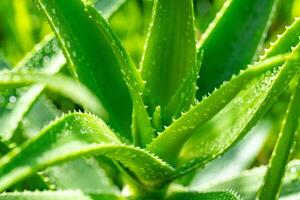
[{"x": 77, "y": 135}]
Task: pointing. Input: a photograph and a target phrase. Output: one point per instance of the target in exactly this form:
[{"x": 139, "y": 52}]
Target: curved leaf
[
  {"x": 46, "y": 57},
  {"x": 89, "y": 48},
  {"x": 72, "y": 136},
  {"x": 210, "y": 106},
  {"x": 239, "y": 116},
  {"x": 170, "y": 54},
  {"x": 134, "y": 83},
  {"x": 55, "y": 195},
  {"x": 167, "y": 146},
  {"x": 82, "y": 95},
  {"x": 283, "y": 149},
  {"x": 235, "y": 49}
]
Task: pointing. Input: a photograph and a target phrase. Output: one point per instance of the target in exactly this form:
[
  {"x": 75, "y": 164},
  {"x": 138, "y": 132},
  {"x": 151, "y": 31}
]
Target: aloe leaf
[
  {"x": 239, "y": 116},
  {"x": 170, "y": 54},
  {"x": 235, "y": 49},
  {"x": 234, "y": 161},
  {"x": 284, "y": 42},
  {"x": 55, "y": 195},
  {"x": 89, "y": 49},
  {"x": 93, "y": 179},
  {"x": 176, "y": 105},
  {"x": 133, "y": 81},
  {"x": 46, "y": 57},
  {"x": 247, "y": 183},
  {"x": 282, "y": 150},
  {"x": 83, "y": 96},
  {"x": 62, "y": 141},
  {"x": 226, "y": 195},
  {"x": 212, "y": 105},
  {"x": 167, "y": 146}
]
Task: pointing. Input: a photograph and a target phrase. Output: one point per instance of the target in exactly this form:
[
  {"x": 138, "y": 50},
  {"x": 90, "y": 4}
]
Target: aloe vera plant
[{"x": 141, "y": 131}]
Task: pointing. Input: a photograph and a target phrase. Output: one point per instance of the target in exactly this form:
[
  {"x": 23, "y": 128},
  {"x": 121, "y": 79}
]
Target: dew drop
[{"x": 12, "y": 99}]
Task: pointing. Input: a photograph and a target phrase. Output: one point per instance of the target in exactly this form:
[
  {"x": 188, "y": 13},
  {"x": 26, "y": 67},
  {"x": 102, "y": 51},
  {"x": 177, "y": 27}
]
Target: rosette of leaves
[{"x": 141, "y": 128}]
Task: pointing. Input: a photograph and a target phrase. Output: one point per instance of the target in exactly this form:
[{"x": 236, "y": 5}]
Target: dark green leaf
[
  {"x": 170, "y": 56},
  {"x": 232, "y": 40}
]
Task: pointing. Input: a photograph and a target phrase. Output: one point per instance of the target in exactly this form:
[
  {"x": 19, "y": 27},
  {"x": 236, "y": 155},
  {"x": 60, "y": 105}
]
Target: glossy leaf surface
[
  {"x": 170, "y": 54},
  {"x": 76, "y": 135},
  {"x": 226, "y": 50}
]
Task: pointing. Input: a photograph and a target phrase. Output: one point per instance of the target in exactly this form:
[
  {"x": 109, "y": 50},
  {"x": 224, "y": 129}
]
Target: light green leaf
[
  {"x": 234, "y": 161},
  {"x": 90, "y": 51},
  {"x": 92, "y": 178},
  {"x": 210, "y": 106},
  {"x": 170, "y": 56},
  {"x": 55, "y": 195},
  {"x": 82, "y": 95},
  {"x": 62, "y": 141},
  {"x": 247, "y": 183},
  {"x": 134, "y": 83},
  {"x": 176, "y": 105},
  {"x": 235, "y": 49},
  {"x": 167, "y": 146},
  {"x": 46, "y": 57},
  {"x": 283, "y": 149},
  {"x": 227, "y": 195},
  {"x": 239, "y": 116}
]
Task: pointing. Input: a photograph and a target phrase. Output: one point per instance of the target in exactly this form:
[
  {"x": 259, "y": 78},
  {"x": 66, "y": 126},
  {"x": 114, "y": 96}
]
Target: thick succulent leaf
[
  {"x": 235, "y": 49},
  {"x": 239, "y": 116},
  {"x": 72, "y": 136},
  {"x": 234, "y": 161},
  {"x": 226, "y": 195},
  {"x": 92, "y": 178},
  {"x": 170, "y": 54},
  {"x": 167, "y": 146},
  {"x": 289, "y": 38},
  {"x": 55, "y": 195},
  {"x": 82, "y": 95},
  {"x": 134, "y": 83},
  {"x": 247, "y": 184},
  {"x": 46, "y": 57},
  {"x": 210, "y": 106},
  {"x": 91, "y": 51},
  {"x": 176, "y": 105},
  {"x": 283, "y": 149}
]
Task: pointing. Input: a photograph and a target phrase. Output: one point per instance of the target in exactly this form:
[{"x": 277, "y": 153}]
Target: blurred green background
[{"x": 22, "y": 26}]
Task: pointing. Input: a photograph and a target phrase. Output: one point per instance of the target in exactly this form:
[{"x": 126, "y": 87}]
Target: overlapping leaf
[
  {"x": 90, "y": 49},
  {"x": 170, "y": 56},
  {"x": 46, "y": 57},
  {"x": 167, "y": 146},
  {"x": 236, "y": 119},
  {"x": 77, "y": 135},
  {"x": 283, "y": 149},
  {"x": 83, "y": 96},
  {"x": 232, "y": 40}
]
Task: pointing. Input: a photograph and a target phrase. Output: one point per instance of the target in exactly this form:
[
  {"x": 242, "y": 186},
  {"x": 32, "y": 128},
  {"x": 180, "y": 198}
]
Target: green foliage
[{"x": 140, "y": 132}]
